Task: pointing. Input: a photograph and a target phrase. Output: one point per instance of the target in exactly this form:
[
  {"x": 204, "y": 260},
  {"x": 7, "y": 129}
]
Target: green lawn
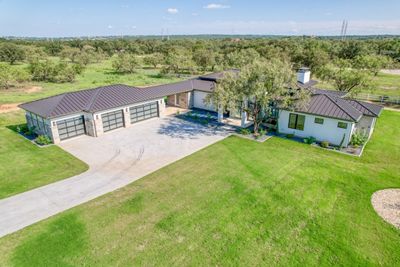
[
  {"x": 24, "y": 166},
  {"x": 237, "y": 202},
  {"x": 384, "y": 84},
  {"x": 95, "y": 75}
]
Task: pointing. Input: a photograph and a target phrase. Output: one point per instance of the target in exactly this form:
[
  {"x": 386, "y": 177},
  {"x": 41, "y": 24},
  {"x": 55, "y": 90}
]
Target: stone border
[{"x": 386, "y": 203}]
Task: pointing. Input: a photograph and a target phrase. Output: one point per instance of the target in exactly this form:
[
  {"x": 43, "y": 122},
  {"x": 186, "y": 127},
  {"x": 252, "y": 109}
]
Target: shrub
[
  {"x": 309, "y": 140},
  {"x": 50, "y": 71},
  {"x": 358, "y": 139},
  {"x": 244, "y": 131},
  {"x": 325, "y": 144},
  {"x": 43, "y": 140},
  {"x": 208, "y": 116},
  {"x": 22, "y": 128},
  {"x": 29, "y": 131},
  {"x": 289, "y": 136},
  {"x": 262, "y": 132}
]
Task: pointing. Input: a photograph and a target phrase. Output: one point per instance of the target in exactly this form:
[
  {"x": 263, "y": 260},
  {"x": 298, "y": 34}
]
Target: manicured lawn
[
  {"x": 384, "y": 84},
  {"x": 237, "y": 202},
  {"x": 24, "y": 166},
  {"x": 95, "y": 75}
]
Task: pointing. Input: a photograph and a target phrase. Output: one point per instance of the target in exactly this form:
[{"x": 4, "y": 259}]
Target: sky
[{"x": 74, "y": 18}]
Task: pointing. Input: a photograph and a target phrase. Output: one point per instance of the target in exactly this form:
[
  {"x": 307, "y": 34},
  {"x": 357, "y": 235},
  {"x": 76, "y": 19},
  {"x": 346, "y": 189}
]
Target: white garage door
[{"x": 198, "y": 101}]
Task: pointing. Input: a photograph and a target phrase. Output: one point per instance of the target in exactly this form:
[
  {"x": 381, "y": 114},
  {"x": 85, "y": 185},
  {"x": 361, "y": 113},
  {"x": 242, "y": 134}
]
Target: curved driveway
[{"x": 116, "y": 159}]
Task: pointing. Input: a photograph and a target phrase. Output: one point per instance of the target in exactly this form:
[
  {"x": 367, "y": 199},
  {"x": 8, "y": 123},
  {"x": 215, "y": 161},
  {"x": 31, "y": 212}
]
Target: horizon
[{"x": 75, "y": 19}]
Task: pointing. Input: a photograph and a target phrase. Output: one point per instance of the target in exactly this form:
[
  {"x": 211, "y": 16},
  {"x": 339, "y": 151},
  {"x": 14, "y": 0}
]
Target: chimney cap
[{"x": 304, "y": 69}]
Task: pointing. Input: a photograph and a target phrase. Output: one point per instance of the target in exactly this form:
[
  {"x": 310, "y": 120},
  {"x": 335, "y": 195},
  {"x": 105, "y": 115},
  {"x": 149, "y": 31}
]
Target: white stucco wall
[
  {"x": 366, "y": 125},
  {"x": 322, "y": 132},
  {"x": 198, "y": 101}
]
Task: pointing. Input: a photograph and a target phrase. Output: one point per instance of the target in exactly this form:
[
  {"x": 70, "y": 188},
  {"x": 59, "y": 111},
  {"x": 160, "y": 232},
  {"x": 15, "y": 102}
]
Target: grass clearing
[
  {"x": 25, "y": 166},
  {"x": 95, "y": 75},
  {"x": 384, "y": 84},
  {"x": 237, "y": 202}
]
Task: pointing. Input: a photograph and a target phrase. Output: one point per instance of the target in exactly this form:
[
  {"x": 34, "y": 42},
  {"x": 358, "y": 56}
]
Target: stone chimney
[{"x": 303, "y": 75}]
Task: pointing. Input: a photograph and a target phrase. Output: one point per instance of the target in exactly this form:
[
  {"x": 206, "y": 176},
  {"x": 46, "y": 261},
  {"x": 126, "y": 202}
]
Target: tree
[
  {"x": 372, "y": 63},
  {"x": 154, "y": 59},
  {"x": 11, "y": 53},
  {"x": 125, "y": 63},
  {"x": 178, "y": 60},
  {"x": 242, "y": 58},
  {"x": 71, "y": 53},
  {"x": 205, "y": 59},
  {"x": 261, "y": 84},
  {"x": 50, "y": 71},
  {"x": 345, "y": 78},
  {"x": 8, "y": 75}
]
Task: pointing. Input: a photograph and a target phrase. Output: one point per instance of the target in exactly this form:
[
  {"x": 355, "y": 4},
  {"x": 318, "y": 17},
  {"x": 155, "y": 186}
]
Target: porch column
[
  {"x": 161, "y": 108},
  {"x": 220, "y": 113},
  {"x": 244, "y": 114}
]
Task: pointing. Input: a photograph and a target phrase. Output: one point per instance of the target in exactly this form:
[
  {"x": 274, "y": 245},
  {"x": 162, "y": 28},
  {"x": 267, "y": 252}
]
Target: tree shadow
[{"x": 187, "y": 129}]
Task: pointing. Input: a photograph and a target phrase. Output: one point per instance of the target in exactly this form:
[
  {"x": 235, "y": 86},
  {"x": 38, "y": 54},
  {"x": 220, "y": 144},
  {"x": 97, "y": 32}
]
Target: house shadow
[{"x": 187, "y": 129}]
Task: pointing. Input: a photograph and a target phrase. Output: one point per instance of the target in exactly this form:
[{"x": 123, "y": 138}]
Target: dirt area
[
  {"x": 32, "y": 89},
  {"x": 4, "y": 108},
  {"x": 387, "y": 204},
  {"x": 394, "y": 71}
]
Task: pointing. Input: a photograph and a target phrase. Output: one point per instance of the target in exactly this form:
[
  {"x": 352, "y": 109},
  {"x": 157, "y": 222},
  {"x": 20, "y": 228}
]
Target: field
[
  {"x": 383, "y": 84},
  {"x": 24, "y": 166},
  {"x": 95, "y": 75},
  {"x": 237, "y": 202}
]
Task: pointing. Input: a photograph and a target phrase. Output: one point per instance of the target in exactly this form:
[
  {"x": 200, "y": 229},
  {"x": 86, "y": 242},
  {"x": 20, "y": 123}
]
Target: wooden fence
[{"x": 379, "y": 98}]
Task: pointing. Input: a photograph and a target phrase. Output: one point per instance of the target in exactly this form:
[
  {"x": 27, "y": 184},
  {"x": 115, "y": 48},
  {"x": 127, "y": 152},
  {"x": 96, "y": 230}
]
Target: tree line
[{"x": 329, "y": 59}]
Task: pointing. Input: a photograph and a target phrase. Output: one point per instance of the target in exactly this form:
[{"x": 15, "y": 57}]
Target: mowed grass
[
  {"x": 95, "y": 75},
  {"x": 24, "y": 166},
  {"x": 237, "y": 202},
  {"x": 383, "y": 84}
]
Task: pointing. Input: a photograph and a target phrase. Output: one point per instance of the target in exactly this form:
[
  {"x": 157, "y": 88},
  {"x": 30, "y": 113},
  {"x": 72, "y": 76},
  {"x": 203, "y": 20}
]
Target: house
[
  {"x": 97, "y": 111},
  {"x": 328, "y": 115}
]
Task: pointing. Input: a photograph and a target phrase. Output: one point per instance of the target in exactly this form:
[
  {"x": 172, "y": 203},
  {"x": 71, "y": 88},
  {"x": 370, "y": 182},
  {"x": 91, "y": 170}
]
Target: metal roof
[
  {"x": 108, "y": 97},
  {"x": 330, "y": 106}
]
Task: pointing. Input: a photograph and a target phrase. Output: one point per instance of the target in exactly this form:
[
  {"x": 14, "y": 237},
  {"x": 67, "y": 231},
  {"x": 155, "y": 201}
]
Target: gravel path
[{"x": 387, "y": 204}]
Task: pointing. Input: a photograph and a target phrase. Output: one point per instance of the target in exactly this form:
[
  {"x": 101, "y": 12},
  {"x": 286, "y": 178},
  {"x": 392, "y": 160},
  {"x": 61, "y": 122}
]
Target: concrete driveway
[{"x": 116, "y": 159}]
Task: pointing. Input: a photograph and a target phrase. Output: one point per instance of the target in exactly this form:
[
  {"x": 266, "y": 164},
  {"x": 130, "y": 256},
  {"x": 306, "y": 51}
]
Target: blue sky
[{"x": 59, "y": 18}]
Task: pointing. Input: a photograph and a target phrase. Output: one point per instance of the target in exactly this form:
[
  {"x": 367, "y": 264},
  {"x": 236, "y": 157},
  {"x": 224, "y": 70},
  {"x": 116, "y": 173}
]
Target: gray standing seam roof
[
  {"x": 108, "y": 97},
  {"x": 333, "y": 107}
]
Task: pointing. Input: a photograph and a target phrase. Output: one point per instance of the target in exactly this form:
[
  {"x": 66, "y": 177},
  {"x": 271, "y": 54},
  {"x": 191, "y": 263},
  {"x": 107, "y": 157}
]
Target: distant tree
[
  {"x": 51, "y": 71},
  {"x": 177, "y": 61},
  {"x": 242, "y": 58},
  {"x": 53, "y": 48},
  {"x": 154, "y": 59},
  {"x": 344, "y": 78},
  {"x": 9, "y": 76},
  {"x": 261, "y": 83},
  {"x": 125, "y": 63},
  {"x": 71, "y": 53},
  {"x": 373, "y": 63},
  {"x": 205, "y": 59},
  {"x": 11, "y": 53}
]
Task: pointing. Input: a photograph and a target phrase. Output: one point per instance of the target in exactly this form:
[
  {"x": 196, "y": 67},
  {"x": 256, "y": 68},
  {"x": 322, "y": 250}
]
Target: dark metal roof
[
  {"x": 329, "y": 92},
  {"x": 218, "y": 75},
  {"x": 108, "y": 97},
  {"x": 366, "y": 108},
  {"x": 308, "y": 84},
  {"x": 333, "y": 107}
]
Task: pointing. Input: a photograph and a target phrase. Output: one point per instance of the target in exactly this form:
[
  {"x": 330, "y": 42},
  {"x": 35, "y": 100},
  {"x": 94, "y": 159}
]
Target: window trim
[
  {"x": 319, "y": 118},
  {"x": 296, "y": 122},
  {"x": 344, "y": 123}
]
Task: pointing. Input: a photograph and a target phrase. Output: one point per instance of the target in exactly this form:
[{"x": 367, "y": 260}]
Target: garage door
[
  {"x": 198, "y": 101},
  {"x": 71, "y": 127},
  {"x": 144, "y": 112},
  {"x": 112, "y": 120}
]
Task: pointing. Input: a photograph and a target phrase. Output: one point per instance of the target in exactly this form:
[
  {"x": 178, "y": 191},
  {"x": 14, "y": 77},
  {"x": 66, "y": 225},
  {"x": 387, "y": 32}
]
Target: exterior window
[
  {"x": 296, "y": 121},
  {"x": 342, "y": 125},
  {"x": 319, "y": 120}
]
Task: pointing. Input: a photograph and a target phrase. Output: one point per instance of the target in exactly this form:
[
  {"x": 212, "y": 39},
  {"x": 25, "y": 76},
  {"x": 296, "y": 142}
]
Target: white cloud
[
  {"x": 172, "y": 10},
  {"x": 195, "y": 14},
  {"x": 216, "y": 6},
  {"x": 109, "y": 26}
]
